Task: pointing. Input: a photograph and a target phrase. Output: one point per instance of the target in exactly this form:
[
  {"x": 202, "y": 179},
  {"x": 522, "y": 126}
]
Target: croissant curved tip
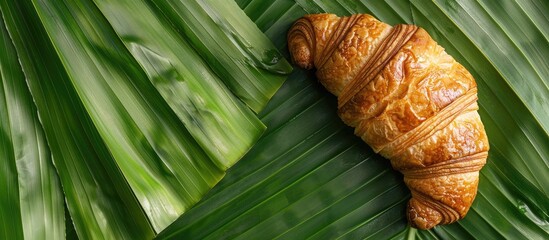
[
  {"x": 421, "y": 216},
  {"x": 301, "y": 56},
  {"x": 301, "y": 43}
]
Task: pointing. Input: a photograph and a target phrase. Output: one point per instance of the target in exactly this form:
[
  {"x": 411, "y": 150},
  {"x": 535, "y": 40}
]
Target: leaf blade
[
  {"x": 105, "y": 212},
  {"x": 9, "y": 203},
  {"x": 249, "y": 65},
  {"x": 222, "y": 126},
  {"x": 40, "y": 207}
]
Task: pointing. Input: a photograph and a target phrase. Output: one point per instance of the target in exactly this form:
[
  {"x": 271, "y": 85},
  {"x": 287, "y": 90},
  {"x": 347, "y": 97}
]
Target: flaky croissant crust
[{"x": 405, "y": 97}]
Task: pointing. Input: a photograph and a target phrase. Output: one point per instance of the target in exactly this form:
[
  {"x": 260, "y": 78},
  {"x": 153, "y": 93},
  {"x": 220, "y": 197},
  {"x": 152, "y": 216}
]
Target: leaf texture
[
  {"x": 99, "y": 200},
  {"x": 149, "y": 145},
  {"x": 141, "y": 108},
  {"x": 231, "y": 45},
  {"x": 220, "y": 123},
  {"x": 10, "y": 214},
  {"x": 32, "y": 200}
]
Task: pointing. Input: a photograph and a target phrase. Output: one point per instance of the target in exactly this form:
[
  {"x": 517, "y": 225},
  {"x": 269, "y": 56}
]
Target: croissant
[{"x": 407, "y": 99}]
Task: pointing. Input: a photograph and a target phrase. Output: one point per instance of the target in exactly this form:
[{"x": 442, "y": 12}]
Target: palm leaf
[
  {"x": 32, "y": 201},
  {"x": 125, "y": 133},
  {"x": 309, "y": 177},
  {"x": 100, "y": 203},
  {"x": 141, "y": 139},
  {"x": 219, "y": 122},
  {"x": 10, "y": 216},
  {"x": 137, "y": 114},
  {"x": 250, "y": 67}
]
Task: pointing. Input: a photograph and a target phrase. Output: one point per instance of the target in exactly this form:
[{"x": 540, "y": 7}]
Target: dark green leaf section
[
  {"x": 10, "y": 214},
  {"x": 223, "y": 126},
  {"x": 309, "y": 177},
  {"x": 231, "y": 45},
  {"x": 32, "y": 204},
  {"x": 127, "y": 101},
  {"x": 165, "y": 167},
  {"x": 100, "y": 202},
  {"x": 69, "y": 226}
]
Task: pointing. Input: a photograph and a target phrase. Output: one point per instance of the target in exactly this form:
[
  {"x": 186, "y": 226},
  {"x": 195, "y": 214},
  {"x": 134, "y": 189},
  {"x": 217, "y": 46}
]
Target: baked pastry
[{"x": 406, "y": 98}]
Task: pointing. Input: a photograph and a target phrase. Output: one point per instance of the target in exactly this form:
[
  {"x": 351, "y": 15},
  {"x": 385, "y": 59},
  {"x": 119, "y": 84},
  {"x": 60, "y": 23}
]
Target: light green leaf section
[
  {"x": 32, "y": 204},
  {"x": 99, "y": 200},
  {"x": 141, "y": 119},
  {"x": 232, "y": 46},
  {"x": 165, "y": 167},
  {"x": 10, "y": 214},
  {"x": 223, "y": 126},
  {"x": 310, "y": 177}
]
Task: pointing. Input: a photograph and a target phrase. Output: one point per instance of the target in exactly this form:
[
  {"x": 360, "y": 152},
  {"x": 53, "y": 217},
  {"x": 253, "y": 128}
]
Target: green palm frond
[
  {"x": 142, "y": 106},
  {"x": 250, "y": 66},
  {"x": 140, "y": 126},
  {"x": 32, "y": 202}
]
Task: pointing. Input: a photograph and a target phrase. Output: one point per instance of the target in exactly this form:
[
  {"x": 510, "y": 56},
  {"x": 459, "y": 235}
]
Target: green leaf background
[
  {"x": 131, "y": 103},
  {"x": 29, "y": 183}
]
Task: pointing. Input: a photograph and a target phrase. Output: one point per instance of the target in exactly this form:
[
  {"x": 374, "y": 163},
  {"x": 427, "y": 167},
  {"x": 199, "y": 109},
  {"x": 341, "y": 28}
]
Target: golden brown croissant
[{"x": 405, "y": 97}]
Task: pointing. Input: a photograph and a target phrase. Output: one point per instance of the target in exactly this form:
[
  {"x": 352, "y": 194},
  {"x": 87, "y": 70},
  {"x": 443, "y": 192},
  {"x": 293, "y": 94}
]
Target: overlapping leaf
[
  {"x": 220, "y": 123},
  {"x": 10, "y": 213},
  {"x": 166, "y": 169},
  {"x": 250, "y": 66},
  {"x": 99, "y": 200},
  {"x": 32, "y": 201},
  {"x": 140, "y": 127}
]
